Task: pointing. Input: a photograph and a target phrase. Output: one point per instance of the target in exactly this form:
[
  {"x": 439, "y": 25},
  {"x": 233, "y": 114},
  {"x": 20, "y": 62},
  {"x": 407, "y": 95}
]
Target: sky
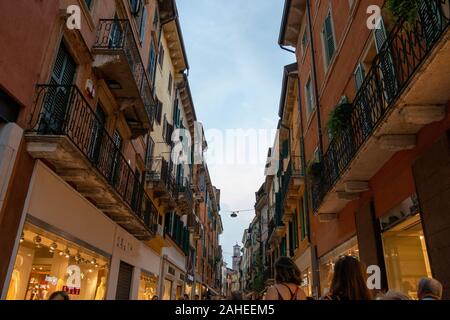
[{"x": 236, "y": 68}]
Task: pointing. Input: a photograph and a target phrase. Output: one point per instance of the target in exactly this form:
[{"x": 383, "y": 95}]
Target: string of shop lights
[{"x": 234, "y": 213}]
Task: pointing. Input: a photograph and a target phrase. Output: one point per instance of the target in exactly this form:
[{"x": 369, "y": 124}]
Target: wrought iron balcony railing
[
  {"x": 184, "y": 190},
  {"x": 114, "y": 35},
  {"x": 63, "y": 111},
  {"x": 292, "y": 167},
  {"x": 406, "y": 48},
  {"x": 158, "y": 170}
]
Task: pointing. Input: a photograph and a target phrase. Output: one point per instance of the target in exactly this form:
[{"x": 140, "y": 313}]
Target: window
[
  {"x": 143, "y": 20},
  {"x": 170, "y": 84},
  {"x": 152, "y": 62},
  {"x": 161, "y": 55},
  {"x": 309, "y": 98},
  {"x": 176, "y": 114},
  {"x": 47, "y": 262},
  {"x": 167, "y": 295},
  {"x": 328, "y": 39},
  {"x": 159, "y": 108},
  {"x": 305, "y": 41},
  {"x": 135, "y": 6},
  {"x": 89, "y": 3},
  {"x": 155, "y": 18},
  {"x": 148, "y": 285},
  {"x": 359, "y": 75}
]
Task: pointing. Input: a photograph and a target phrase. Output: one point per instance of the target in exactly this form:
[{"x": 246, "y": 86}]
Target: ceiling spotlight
[
  {"x": 61, "y": 253},
  {"x": 93, "y": 261},
  {"x": 53, "y": 247},
  {"x": 37, "y": 241},
  {"x": 78, "y": 257},
  {"x": 22, "y": 238},
  {"x": 67, "y": 253}
]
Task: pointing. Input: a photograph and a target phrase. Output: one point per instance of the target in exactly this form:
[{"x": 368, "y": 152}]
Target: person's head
[
  {"x": 155, "y": 298},
  {"x": 393, "y": 295},
  {"x": 186, "y": 296},
  {"x": 349, "y": 279},
  {"x": 236, "y": 295},
  {"x": 196, "y": 297},
  {"x": 287, "y": 272},
  {"x": 59, "y": 295},
  {"x": 429, "y": 288}
]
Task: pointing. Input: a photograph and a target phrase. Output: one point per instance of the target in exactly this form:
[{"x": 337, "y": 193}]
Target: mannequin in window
[
  {"x": 14, "y": 284},
  {"x": 100, "y": 294}
]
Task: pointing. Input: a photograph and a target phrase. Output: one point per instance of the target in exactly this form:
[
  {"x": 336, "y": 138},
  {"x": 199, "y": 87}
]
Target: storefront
[
  {"x": 327, "y": 262},
  {"x": 404, "y": 248},
  {"x": 304, "y": 265},
  {"x": 173, "y": 274},
  {"x": 66, "y": 243},
  {"x": 148, "y": 286},
  {"x": 47, "y": 262}
]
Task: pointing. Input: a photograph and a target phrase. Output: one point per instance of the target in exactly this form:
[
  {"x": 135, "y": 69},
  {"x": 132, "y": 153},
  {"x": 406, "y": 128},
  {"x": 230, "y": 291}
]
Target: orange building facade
[{"x": 363, "y": 143}]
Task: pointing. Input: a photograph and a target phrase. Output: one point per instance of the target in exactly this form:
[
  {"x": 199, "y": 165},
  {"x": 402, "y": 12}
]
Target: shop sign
[
  {"x": 73, "y": 283},
  {"x": 123, "y": 244}
]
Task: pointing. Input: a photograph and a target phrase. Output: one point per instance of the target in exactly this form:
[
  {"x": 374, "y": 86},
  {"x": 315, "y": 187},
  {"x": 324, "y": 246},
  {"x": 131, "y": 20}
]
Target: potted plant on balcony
[
  {"x": 403, "y": 10},
  {"x": 339, "y": 120},
  {"x": 314, "y": 170}
]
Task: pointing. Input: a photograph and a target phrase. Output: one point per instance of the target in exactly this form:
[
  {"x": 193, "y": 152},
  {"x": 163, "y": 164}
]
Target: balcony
[
  {"x": 161, "y": 181},
  {"x": 185, "y": 197},
  {"x": 406, "y": 89},
  {"x": 118, "y": 61},
  {"x": 292, "y": 186},
  {"x": 178, "y": 233},
  {"x": 68, "y": 135},
  {"x": 277, "y": 228},
  {"x": 194, "y": 226}
]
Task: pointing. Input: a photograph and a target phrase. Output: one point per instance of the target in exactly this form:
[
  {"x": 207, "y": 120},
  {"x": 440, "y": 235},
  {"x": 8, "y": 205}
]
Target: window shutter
[
  {"x": 359, "y": 76},
  {"x": 380, "y": 36},
  {"x": 143, "y": 23},
  {"x": 117, "y": 139},
  {"x": 159, "y": 107},
  {"x": 124, "y": 281}
]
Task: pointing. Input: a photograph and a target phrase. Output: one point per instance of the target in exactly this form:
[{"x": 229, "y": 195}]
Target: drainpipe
[{"x": 311, "y": 42}]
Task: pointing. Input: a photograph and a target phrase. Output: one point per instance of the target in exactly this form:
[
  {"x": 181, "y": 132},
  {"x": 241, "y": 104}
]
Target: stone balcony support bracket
[
  {"x": 422, "y": 114},
  {"x": 397, "y": 142}
]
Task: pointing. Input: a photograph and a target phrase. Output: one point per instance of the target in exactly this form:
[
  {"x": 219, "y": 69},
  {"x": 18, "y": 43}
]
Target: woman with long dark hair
[
  {"x": 288, "y": 280},
  {"x": 349, "y": 281}
]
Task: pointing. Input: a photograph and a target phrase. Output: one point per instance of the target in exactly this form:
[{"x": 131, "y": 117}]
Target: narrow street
[{"x": 225, "y": 150}]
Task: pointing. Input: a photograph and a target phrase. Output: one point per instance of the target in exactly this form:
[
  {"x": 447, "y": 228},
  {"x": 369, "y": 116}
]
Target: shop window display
[
  {"x": 306, "y": 282},
  {"x": 406, "y": 256},
  {"x": 167, "y": 289},
  {"x": 327, "y": 262},
  {"x": 188, "y": 290},
  {"x": 46, "y": 263},
  {"x": 178, "y": 292},
  {"x": 147, "y": 286}
]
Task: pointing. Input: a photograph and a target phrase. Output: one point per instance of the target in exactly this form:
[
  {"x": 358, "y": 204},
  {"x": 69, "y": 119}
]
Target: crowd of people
[{"x": 349, "y": 283}]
